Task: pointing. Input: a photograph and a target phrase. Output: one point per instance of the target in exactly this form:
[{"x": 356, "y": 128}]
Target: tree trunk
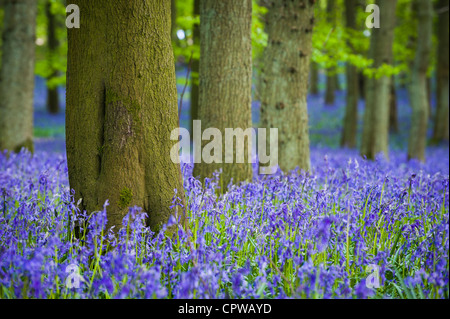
[
  {"x": 17, "y": 75},
  {"x": 173, "y": 19},
  {"x": 331, "y": 82},
  {"x": 441, "y": 119},
  {"x": 286, "y": 66},
  {"x": 195, "y": 70},
  {"x": 362, "y": 85},
  {"x": 330, "y": 90},
  {"x": 121, "y": 109},
  {"x": 418, "y": 86},
  {"x": 393, "y": 117},
  {"x": 225, "y": 80},
  {"x": 314, "y": 78},
  {"x": 52, "y": 91},
  {"x": 348, "y": 138},
  {"x": 375, "y": 137}
]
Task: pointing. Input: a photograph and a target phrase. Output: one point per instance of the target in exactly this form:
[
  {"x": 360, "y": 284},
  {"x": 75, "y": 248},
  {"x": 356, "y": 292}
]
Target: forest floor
[{"x": 349, "y": 229}]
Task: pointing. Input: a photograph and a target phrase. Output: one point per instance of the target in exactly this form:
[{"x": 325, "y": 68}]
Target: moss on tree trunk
[{"x": 121, "y": 108}]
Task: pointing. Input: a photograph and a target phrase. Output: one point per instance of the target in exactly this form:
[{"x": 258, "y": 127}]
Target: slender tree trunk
[
  {"x": 225, "y": 80},
  {"x": 286, "y": 64},
  {"x": 393, "y": 117},
  {"x": 375, "y": 137},
  {"x": 195, "y": 69},
  {"x": 441, "y": 119},
  {"x": 418, "y": 87},
  {"x": 121, "y": 109},
  {"x": 17, "y": 75},
  {"x": 362, "y": 85},
  {"x": 314, "y": 78},
  {"x": 348, "y": 138},
  {"x": 331, "y": 82},
  {"x": 52, "y": 91},
  {"x": 173, "y": 20}
]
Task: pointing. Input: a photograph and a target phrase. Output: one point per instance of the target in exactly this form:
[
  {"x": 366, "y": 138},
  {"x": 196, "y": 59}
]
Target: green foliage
[
  {"x": 185, "y": 21},
  {"x": 48, "y": 62}
]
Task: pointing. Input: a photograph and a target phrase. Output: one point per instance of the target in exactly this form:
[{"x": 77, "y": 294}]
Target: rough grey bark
[
  {"x": 418, "y": 87},
  {"x": 195, "y": 69},
  {"x": 375, "y": 137},
  {"x": 17, "y": 75},
  {"x": 441, "y": 119},
  {"x": 121, "y": 109},
  {"x": 348, "y": 137},
  {"x": 225, "y": 80},
  {"x": 52, "y": 92},
  {"x": 284, "y": 90}
]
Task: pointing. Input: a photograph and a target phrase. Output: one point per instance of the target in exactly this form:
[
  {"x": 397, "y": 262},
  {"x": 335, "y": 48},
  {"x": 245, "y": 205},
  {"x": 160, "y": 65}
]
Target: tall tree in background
[
  {"x": 418, "y": 87},
  {"x": 52, "y": 91},
  {"x": 173, "y": 23},
  {"x": 331, "y": 83},
  {"x": 393, "y": 116},
  {"x": 17, "y": 75},
  {"x": 285, "y": 77},
  {"x": 225, "y": 79},
  {"x": 314, "y": 78},
  {"x": 195, "y": 69},
  {"x": 348, "y": 138},
  {"x": 375, "y": 137},
  {"x": 121, "y": 109},
  {"x": 441, "y": 119}
]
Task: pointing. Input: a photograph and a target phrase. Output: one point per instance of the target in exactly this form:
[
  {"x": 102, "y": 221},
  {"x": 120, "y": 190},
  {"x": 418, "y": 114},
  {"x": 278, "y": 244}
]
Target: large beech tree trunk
[
  {"x": 348, "y": 138},
  {"x": 418, "y": 87},
  {"x": 285, "y": 77},
  {"x": 17, "y": 75},
  {"x": 121, "y": 109},
  {"x": 225, "y": 80},
  {"x": 441, "y": 119},
  {"x": 375, "y": 137}
]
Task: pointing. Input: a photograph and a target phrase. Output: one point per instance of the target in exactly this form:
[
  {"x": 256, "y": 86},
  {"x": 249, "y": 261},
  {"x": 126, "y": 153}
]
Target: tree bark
[
  {"x": 314, "y": 78},
  {"x": 121, "y": 109},
  {"x": 418, "y": 86},
  {"x": 52, "y": 92},
  {"x": 393, "y": 116},
  {"x": 375, "y": 137},
  {"x": 173, "y": 19},
  {"x": 286, "y": 67},
  {"x": 441, "y": 119},
  {"x": 195, "y": 69},
  {"x": 225, "y": 80},
  {"x": 348, "y": 138},
  {"x": 17, "y": 75},
  {"x": 331, "y": 83}
]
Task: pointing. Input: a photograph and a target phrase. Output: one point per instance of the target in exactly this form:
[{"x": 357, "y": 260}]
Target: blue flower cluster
[{"x": 287, "y": 235}]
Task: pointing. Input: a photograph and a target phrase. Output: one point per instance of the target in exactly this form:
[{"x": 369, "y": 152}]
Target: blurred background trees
[{"x": 341, "y": 58}]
